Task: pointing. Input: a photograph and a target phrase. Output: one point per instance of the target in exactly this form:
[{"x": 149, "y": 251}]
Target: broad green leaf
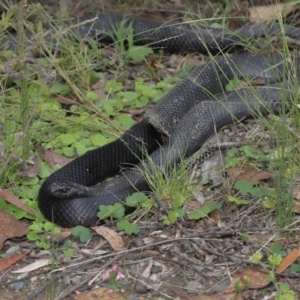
[
  {"x": 125, "y": 121},
  {"x": 116, "y": 211},
  {"x": 181, "y": 212},
  {"x": 295, "y": 268},
  {"x": 80, "y": 148},
  {"x": 67, "y": 139},
  {"x": 68, "y": 152},
  {"x": 128, "y": 97},
  {"x": 32, "y": 236},
  {"x": 83, "y": 233},
  {"x": 135, "y": 199},
  {"x": 185, "y": 71},
  {"x": 2, "y": 203},
  {"x": 277, "y": 249},
  {"x": 177, "y": 202},
  {"x": 204, "y": 210},
  {"x": 113, "y": 86},
  {"x": 59, "y": 88},
  {"x": 244, "y": 186},
  {"x": 173, "y": 216},
  {"x": 98, "y": 139},
  {"x": 138, "y": 53},
  {"x": 127, "y": 227},
  {"x": 91, "y": 96},
  {"x": 237, "y": 200},
  {"x": 32, "y": 181}
]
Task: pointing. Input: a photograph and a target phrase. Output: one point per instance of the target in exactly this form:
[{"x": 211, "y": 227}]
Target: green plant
[
  {"x": 123, "y": 36},
  {"x": 176, "y": 212},
  {"x": 250, "y": 153},
  {"x": 82, "y": 232},
  {"x": 117, "y": 211}
]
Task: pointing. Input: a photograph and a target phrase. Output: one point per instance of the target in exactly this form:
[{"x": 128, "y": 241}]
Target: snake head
[{"x": 68, "y": 190}]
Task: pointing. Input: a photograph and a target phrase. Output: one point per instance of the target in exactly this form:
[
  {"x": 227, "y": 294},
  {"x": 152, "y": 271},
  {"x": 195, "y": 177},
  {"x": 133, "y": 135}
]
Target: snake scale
[{"x": 179, "y": 124}]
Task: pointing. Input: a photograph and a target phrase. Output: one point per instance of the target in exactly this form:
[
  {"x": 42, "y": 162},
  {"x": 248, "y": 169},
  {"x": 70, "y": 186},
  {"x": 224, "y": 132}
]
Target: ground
[{"x": 236, "y": 240}]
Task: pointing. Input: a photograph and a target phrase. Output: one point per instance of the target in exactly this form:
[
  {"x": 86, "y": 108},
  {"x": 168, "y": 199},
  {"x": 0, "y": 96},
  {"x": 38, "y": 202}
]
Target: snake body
[
  {"x": 80, "y": 205},
  {"x": 186, "y": 117}
]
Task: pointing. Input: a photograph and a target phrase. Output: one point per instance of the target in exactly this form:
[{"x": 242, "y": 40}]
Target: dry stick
[
  {"x": 213, "y": 233},
  {"x": 77, "y": 286},
  {"x": 200, "y": 243},
  {"x": 68, "y": 291}
]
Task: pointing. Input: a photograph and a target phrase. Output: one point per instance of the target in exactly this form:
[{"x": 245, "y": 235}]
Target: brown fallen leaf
[
  {"x": 253, "y": 176},
  {"x": 60, "y": 236},
  {"x": 230, "y": 296},
  {"x": 65, "y": 100},
  {"x": 288, "y": 260},
  {"x": 249, "y": 278},
  {"x": 100, "y": 293},
  {"x": 10, "y": 227},
  {"x": 114, "y": 239},
  {"x": 12, "y": 199},
  {"x": 7, "y": 262},
  {"x": 40, "y": 263},
  {"x": 253, "y": 278},
  {"x": 53, "y": 159},
  {"x": 262, "y": 13}
]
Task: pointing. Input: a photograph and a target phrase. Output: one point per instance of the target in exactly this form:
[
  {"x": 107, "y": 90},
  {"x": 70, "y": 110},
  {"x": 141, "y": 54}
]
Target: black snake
[{"x": 187, "y": 116}]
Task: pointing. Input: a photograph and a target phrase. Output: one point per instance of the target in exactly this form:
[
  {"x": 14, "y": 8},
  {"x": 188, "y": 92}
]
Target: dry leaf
[
  {"x": 10, "y": 227},
  {"x": 7, "y": 262},
  {"x": 12, "y": 199},
  {"x": 230, "y": 296},
  {"x": 260, "y": 14},
  {"x": 288, "y": 260},
  {"x": 251, "y": 175},
  {"x": 60, "y": 236},
  {"x": 147, "y": 271},
  {"x": 53, "y": 159},
  {"x": 100, "y": 293},
  {"x": 65, "y": 100},
  {"x": 250, "y": 278},
  {"x": 114, "y": 239},
  {"x": 34, "y": 266}
]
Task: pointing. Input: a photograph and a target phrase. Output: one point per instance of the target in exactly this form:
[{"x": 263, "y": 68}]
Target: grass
[{"x": 31, "y": 110}]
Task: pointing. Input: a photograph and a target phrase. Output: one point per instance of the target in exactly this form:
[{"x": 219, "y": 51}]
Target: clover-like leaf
[
  {"x": 127, "y": 227},
  {"x": 116, "y": 211},
  {"x": 83, "y": 233},
  {"x": 177, "y": 202},
  {"x": 204, "y": 210},
  {"x": 237, "y": 200}
]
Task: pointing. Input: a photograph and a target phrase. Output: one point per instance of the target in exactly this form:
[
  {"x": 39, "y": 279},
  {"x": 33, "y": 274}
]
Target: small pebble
[
  {"x": 16, "y": 286},
  {"x": 12, "y": 251},
  {"x": 156, "y": 269},
  {"x": 140, "y": 288}
]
